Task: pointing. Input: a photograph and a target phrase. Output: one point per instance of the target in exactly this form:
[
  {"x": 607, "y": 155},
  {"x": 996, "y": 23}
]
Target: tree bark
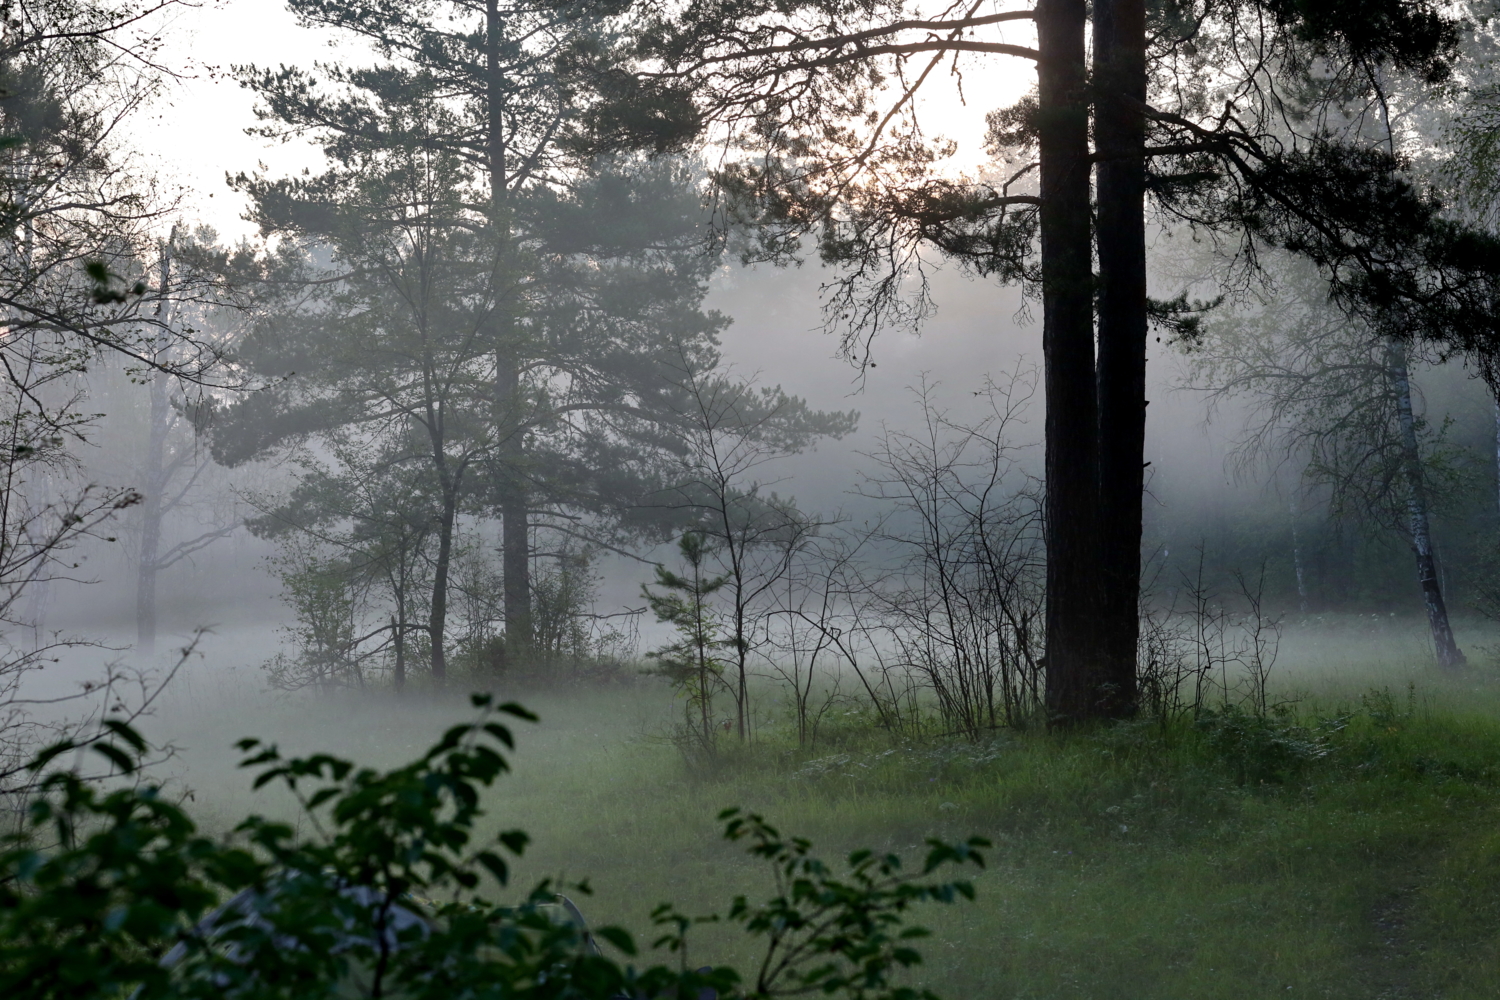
[
  {"x": 1119, "y": 138},
  {"x": 1449, "y": 656},
  {"x": 515, "y": 544},
  {"x": 398, "y": 636},
  {"x": 1497, "y": 452},
  {"x": 1294, "y": 510},
  {"x": 437, "y": 621},
  {"x": 153, "y": 486},
  {"x": 514, "y": 501},
  {"x": 1068, "y": 350}
]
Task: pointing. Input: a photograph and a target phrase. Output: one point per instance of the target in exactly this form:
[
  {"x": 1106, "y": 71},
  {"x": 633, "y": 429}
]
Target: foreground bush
[{"x": 385, "y": 898}]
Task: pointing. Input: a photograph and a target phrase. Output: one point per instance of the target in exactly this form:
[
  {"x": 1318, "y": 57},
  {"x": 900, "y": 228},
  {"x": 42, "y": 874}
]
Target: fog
[
  {"x": 720, "y": 440},
  {"x": 979, "y": 331}
]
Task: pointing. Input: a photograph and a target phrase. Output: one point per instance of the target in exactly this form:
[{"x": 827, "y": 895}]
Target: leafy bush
[{"x": 102, "y": 884}]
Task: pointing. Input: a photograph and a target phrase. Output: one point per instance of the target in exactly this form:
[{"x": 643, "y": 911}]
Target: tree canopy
[{"x": 1252, "y": 121}]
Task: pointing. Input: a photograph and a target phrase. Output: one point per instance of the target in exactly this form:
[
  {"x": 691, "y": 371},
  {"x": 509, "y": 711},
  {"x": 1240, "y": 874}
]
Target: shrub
[
  {"x": 1260, "y": 748},
  {"x": 103, "y": 883}
]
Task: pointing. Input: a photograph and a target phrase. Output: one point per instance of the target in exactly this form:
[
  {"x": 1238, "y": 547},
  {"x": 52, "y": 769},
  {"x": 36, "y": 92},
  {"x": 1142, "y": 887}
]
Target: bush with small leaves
[{"x": 115, "y": 893}]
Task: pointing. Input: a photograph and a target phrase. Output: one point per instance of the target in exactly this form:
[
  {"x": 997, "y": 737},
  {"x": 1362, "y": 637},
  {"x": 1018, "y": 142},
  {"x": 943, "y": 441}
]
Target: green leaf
[
  {"x": 500, "y": 733},
  {"x": 48, "y": 754},
  {"x": 119, "y": 758},
  {"x": 519, "y": 711},
  {"x": 321, "y": 796},
  {"x": 515, "y": 841},
  {"x": 617, "y": 937},
  {"x": 495, "y": 865},
  {"x": 125, "y": 732}
]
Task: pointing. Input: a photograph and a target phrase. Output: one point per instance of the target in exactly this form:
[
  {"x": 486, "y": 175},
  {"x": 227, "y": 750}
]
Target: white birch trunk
[
  {"x": 1497, "y": 453},
  {"x": 1448, "y": 654},
  {"x": 1295, "y": 510}
]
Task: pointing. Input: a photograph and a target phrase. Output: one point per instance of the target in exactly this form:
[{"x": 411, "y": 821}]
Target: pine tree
[
  {"x": 585, "y": 275},
  {"x": 689, "y": 663},
  {"x": 821, "y": 98}
]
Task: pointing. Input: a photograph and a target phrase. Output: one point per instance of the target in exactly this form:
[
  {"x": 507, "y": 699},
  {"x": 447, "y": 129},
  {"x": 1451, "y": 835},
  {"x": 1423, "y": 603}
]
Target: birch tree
[{"x": 1336, "y": 400}]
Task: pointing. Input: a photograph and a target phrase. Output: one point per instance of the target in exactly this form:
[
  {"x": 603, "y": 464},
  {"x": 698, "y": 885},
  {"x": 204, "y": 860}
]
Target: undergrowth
[{"x": 1344, "y": 849}]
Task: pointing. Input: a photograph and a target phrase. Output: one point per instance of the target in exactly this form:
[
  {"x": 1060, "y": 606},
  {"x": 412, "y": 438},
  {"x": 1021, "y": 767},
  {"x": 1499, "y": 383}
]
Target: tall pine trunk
[
  {"x": 515, "y": 546},
  {"x": 1068, "y": 349},
  {"x": 514, "y": 500},
  {"x": 1449, "y": 656},
  {"x": 1119, "y": 138},
  {"x": 1497, "y": 452}
]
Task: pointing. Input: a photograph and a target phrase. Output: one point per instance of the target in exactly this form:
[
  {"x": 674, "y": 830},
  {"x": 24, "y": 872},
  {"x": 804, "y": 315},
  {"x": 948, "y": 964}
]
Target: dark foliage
[{"x": 108, "y": 893}]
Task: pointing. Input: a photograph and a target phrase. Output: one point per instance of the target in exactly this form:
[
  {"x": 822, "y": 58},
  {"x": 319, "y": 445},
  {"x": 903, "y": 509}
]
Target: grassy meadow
[{"x": 1346, "y": 847}]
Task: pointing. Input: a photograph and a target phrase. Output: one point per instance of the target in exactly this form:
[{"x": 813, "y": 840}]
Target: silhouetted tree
[
  {"x": 1241, "y": 117},
  {"x": 76, "y": 242},
  {"x": 391, "y": 348}
]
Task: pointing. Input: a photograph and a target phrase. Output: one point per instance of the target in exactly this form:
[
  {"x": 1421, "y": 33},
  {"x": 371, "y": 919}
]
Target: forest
[{"x": 889, "y": 499}]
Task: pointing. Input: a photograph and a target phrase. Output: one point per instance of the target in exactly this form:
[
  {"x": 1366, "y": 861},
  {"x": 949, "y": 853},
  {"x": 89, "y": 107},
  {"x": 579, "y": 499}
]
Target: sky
[{"x": 196, "y": 133}]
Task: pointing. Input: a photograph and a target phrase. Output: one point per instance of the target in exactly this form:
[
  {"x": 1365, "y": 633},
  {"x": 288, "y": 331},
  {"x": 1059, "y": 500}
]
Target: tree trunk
[
  {"x": 741, "y": 658},
  {"x": 1448, "y": 654},
  {"x": 398, "y": 636},
  {"x": 1119, "y": 137},
  {"x": 1497, "y": 452},
  {"x": 438, "y": 617},
  {"x": 700, "y": 638},
  {"x": 514, "y": 500},
  {"x": 154, "y": 483},
  {"x": 1068, "y": 349},
  {"x": 1295, "y": 513},
  {"x": 515, "y": 543},
  {"x": 737, "y": 551}
]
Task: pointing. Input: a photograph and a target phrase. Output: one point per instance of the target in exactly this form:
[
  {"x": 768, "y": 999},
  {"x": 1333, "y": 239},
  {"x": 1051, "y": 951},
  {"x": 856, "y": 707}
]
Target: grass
[{"x": 1348, "y": 849}]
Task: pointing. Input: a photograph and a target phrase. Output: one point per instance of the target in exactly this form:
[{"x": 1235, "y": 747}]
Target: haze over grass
[{"x": 1129, "y": 862}]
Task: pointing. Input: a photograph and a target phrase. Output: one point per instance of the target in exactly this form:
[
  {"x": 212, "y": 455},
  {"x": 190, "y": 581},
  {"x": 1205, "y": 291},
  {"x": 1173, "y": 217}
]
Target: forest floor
[{"x": 1349, "y": 847}]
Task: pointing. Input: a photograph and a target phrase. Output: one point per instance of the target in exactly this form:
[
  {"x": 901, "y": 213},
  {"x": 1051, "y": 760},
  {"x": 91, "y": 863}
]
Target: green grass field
[{"x": 1348, "y": 849}]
